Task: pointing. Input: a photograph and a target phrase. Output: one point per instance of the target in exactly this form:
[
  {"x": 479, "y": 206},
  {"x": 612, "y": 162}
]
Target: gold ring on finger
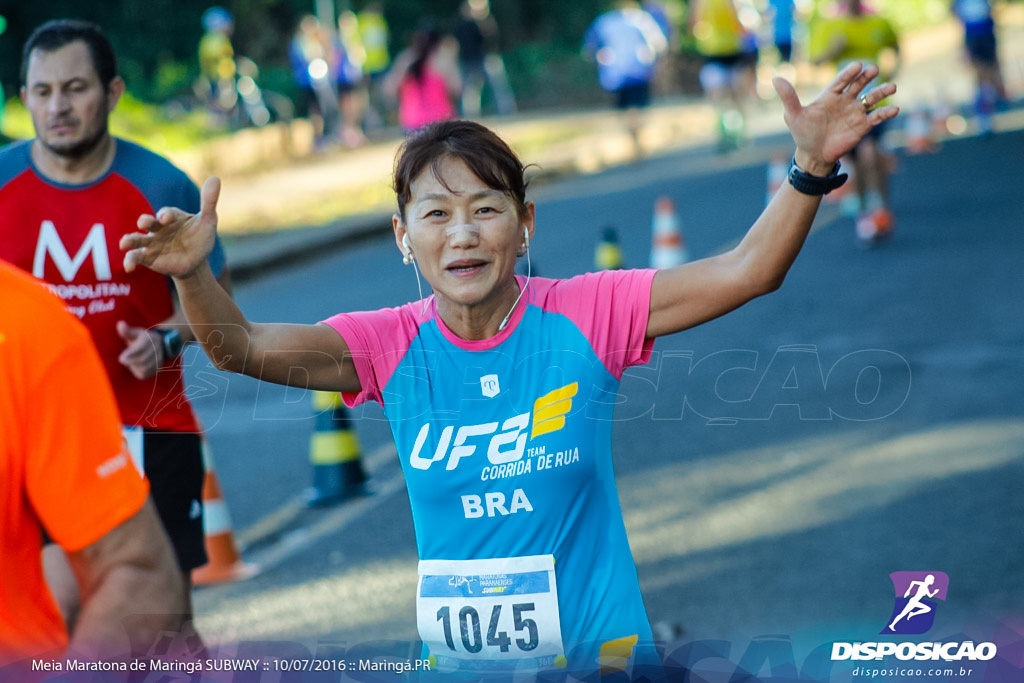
[{"x": 864, "y": 103}]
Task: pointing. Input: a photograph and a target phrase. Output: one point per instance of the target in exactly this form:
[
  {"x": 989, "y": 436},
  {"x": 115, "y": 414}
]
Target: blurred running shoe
[{"x": 875, "y": 226}]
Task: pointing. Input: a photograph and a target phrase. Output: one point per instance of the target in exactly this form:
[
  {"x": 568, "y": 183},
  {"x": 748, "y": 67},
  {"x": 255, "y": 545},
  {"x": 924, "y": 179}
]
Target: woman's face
[{"x": 465, "y": 238}]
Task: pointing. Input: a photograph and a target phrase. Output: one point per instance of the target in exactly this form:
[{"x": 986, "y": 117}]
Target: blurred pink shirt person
[{"x": 424, "y": 81}]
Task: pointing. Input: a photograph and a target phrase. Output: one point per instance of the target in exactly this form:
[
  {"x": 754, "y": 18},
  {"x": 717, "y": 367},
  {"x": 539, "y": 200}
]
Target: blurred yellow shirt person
[
  {"x": 717, "y": 30},
  {"x": 854, "y": 36},
  {"x": 373, "y": 32},
  {"x": 857, "y": 35},
  {"x": 217, "y": 59}
]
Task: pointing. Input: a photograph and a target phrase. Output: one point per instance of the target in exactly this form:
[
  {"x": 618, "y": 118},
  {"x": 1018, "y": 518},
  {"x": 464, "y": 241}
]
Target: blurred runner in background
[
  {"x": 480, "y": 60},
  {"x": 855, "y": 35},
  {"x": 374, "y": 35},
  {"x": 982, "y": 50},
  {"x": 311, "y": 68},
  {"x": 347, "y": 67},
  {"x": 424, "y": 80},
  {"x": 720, "y": 38},
  {"x": 626, "y": 43},
  {"x": 217, "y": 67},
  {"x": 783, "y": 17}
]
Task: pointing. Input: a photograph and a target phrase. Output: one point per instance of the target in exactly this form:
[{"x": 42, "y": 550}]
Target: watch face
[{"x": 172, "y": 343}]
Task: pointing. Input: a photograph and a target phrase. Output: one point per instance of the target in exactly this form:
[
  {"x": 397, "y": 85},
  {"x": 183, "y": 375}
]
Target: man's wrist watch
[
  {"x": 170, "y": 341},
  {"x": 815, "y": 185}
]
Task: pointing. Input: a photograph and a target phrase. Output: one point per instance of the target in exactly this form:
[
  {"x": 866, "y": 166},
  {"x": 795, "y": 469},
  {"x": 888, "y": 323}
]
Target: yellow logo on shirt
[
  {"x": 549, "y": 410},
  {"x": 615, "y": 654}
]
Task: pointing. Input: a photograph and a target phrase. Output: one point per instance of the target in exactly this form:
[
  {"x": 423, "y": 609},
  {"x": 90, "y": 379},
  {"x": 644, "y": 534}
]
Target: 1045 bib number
[
  {"x": 470, "y": 632},
  {"x": 495, "y": 610}
]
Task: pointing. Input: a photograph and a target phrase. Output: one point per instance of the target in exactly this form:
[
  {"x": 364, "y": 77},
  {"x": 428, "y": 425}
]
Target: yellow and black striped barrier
[{"x": 334, "y": 453}]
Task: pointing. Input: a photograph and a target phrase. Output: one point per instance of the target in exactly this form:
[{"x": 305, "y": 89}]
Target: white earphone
[
  {"x": 529, "y": 269},
  {"x": 408, "y": 257}
]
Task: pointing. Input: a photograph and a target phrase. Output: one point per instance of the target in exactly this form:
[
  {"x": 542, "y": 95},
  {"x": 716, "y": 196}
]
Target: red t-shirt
[{"x": 68, "y": 236}]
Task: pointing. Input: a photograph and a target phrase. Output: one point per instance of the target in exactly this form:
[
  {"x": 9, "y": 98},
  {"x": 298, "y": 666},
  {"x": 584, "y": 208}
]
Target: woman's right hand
[{"x": 174, "y": 242}]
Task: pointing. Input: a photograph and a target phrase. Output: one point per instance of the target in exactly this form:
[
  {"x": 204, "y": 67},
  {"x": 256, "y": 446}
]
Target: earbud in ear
[
  {"x": 408, "y": 257},
  {"x": 524, "y": 247}
]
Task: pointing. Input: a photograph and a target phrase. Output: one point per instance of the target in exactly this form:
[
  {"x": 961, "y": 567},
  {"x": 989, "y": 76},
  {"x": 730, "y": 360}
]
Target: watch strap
[
  {"x": 170, "y": 342},
  {"x": 815, "y": 185}
]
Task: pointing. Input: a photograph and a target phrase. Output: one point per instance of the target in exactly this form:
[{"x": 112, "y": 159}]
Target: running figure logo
[
  {"x": 914, "y": 612},
  {"x": 457, "y": 581}
]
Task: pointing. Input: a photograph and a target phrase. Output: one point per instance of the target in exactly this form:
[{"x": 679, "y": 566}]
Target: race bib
[
  {"x": 490, "y": 614},
  {"x": 133, "y": 437}
]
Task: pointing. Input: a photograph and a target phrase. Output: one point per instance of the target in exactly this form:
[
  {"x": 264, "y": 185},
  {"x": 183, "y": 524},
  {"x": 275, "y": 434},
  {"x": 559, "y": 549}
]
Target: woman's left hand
[{"x": 837, "y": 119}]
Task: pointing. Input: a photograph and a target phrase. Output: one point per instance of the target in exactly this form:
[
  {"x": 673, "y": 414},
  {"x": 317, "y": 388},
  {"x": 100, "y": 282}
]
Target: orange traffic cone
[
  {"x": 667, "y": 245},
  {"x": 778, "y": 171},
  {"x": 224, "y": 563},
  {"x": 918, "y": 133}
]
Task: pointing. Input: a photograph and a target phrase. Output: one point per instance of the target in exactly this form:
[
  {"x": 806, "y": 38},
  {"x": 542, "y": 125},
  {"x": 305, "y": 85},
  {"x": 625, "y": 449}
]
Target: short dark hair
[
  {"x": 487, "y": 156},
  {"x": 57, "y": 33}
]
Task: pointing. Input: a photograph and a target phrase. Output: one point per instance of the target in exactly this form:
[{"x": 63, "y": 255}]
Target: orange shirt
[{"x": 63, "y": 462}]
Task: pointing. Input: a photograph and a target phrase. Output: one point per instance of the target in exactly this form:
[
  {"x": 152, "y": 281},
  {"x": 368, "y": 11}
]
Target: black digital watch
[
  {"x": 170, "y": 341},
  {"x": 815, "y": 185}
]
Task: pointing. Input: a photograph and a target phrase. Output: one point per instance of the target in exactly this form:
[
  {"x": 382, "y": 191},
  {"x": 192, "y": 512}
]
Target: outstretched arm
[
  {"x": 824, "y": 130},
  {"x": 177, "y": 244}
]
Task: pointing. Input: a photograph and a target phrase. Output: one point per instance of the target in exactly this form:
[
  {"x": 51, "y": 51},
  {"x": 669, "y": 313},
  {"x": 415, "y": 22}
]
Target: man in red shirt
[
  {"x": 49, "y": 456},
  {"x": 66, "y": 197}
]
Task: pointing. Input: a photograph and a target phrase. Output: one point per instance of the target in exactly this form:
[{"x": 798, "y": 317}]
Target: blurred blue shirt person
[
  {"x": 980, "y": 44},
  {"x": 626, "y": 42},
  {"x": 783, "y": 14}
]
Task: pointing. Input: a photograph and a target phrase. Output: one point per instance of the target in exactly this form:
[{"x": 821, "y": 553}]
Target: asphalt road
[{"x": 775, "y": 466}]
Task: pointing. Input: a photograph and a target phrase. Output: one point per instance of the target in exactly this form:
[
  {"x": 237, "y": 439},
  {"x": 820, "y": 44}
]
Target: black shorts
[
  {"x": 633, "y": 95},
  {"x": 308, "y": 102},
  {"x": 874, "y": 136},
  {"x": 982, "y": 48},
  {"x": 785, "y": 51},
  {"x": 728, "y": 61},
  {"x": 174, "y": 466}
]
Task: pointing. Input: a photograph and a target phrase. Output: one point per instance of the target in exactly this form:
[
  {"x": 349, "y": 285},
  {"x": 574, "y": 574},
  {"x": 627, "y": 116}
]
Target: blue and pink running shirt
[{"x": 505, "y": 444}]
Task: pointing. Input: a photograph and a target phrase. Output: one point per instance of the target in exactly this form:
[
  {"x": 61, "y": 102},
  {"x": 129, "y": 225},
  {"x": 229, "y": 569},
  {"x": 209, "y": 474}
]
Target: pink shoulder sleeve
[
  {"x": 611, "y": 308},
  {"x": 377, "y": 341}
]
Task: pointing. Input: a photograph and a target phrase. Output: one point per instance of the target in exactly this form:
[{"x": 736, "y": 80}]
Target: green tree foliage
[{"x": 156, "y": 40}]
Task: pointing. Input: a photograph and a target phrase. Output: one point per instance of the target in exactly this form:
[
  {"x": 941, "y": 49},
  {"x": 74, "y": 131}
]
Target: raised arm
[
  {"x": 177, "y": 244},
  {"x": 824, "y": 130}
]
